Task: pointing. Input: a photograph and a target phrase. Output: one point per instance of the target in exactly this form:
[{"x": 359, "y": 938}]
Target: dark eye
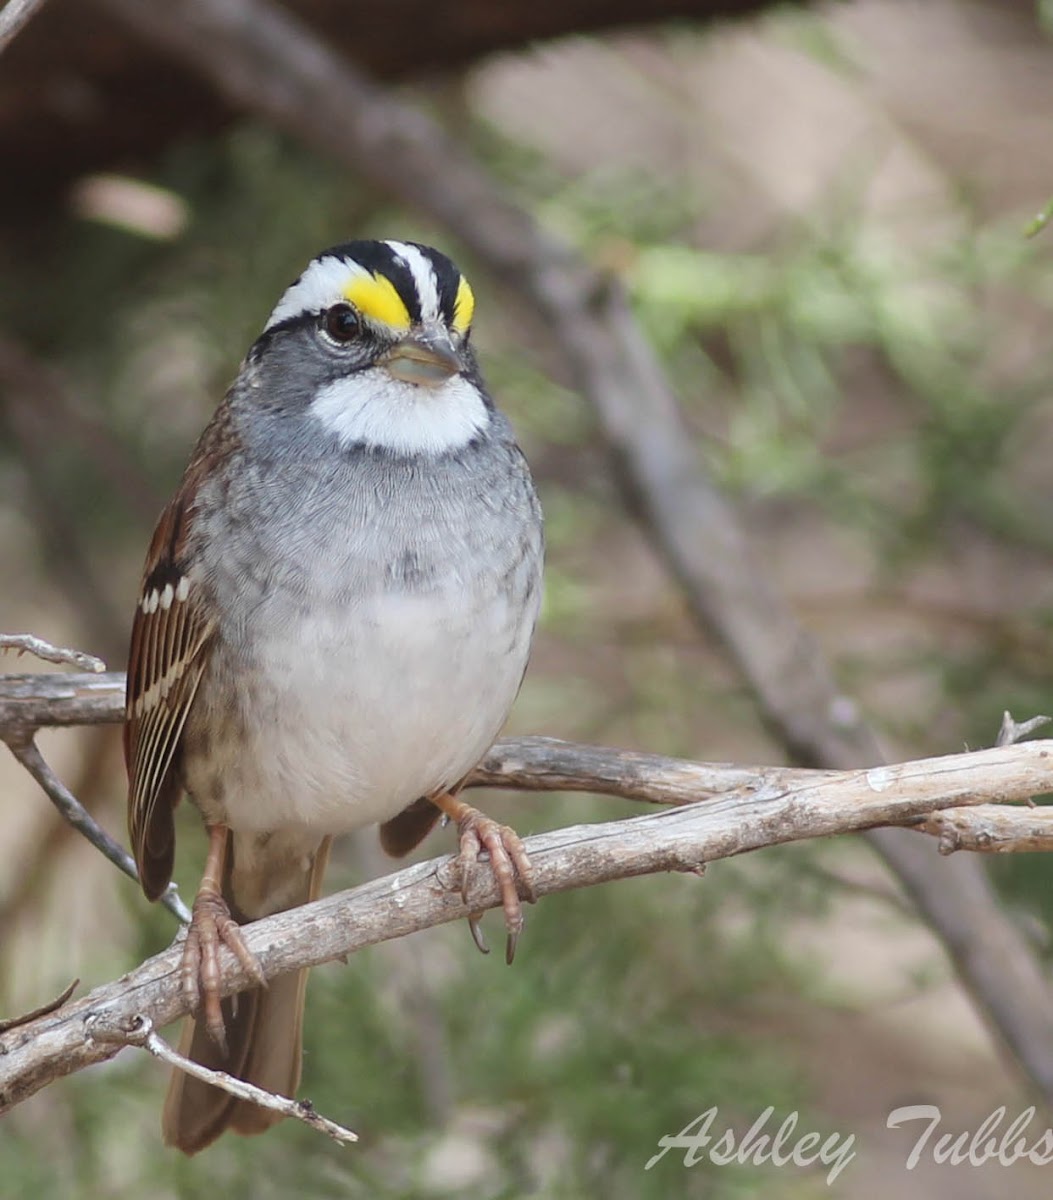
[{"x": 340, "y": 322}]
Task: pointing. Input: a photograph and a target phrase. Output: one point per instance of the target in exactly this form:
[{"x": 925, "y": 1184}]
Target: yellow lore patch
[
  {"x": 463, "y": 306},
  {"x": 375, "y": 298}
]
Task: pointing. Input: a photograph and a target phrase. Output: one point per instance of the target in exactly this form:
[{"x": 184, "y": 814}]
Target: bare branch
[
  {"x": 140, "y": 1032},
  {"x": 14, "y": 17},
  {"x": 542, "y": 764},
  {"x": 26, "y": 643},
  {"x": 32, "y": 702},
  {"x": 684, "y": 838},
  {"x": 991, "y": 829}
]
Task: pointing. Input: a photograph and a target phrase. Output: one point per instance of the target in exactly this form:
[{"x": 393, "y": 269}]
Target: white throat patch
[{"x": 374, "y": 409}]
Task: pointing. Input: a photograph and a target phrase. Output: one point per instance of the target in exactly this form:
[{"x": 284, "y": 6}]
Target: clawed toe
[
  {"x": 508, "y": 862},
  {"x": 211, "y": 926}
]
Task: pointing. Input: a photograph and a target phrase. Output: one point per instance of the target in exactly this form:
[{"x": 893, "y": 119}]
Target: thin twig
[
  {"x": 140, "y": 1032},
  {"x": 26, "y": 643},
  {"x": 1012, "y": 731},
  {"x": 14, "y": 17},
  {"x": 26, "y": 751},
  {"x": 42, "y": 1011}
]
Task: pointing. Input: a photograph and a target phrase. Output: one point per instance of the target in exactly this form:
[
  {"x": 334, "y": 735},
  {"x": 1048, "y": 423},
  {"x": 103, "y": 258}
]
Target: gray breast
[
  {"x": 377, "y": 616},
  {"x": 298, "y": 531}
]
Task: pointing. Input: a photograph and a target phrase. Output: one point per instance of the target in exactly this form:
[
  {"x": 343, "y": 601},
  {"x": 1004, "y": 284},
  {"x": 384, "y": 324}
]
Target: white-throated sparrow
[{"x": 334, "y": 619}]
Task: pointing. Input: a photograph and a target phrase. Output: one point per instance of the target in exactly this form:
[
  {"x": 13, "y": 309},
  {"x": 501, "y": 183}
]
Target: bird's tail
[{"x": 264, "y": 1038}]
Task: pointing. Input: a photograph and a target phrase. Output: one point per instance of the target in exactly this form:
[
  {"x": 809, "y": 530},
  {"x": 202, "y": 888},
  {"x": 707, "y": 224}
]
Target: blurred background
[{"x": 818, "y": 213}]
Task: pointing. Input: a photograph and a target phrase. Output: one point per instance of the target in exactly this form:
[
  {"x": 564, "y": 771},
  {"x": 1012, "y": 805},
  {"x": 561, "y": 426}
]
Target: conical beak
[{"x": 427, "y": 357}]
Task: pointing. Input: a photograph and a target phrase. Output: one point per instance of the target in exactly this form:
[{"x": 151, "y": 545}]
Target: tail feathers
[
  {"x": 195, "y": 1113},
  {"x": 264, "y": 1036},
  {"x": 275, "y": 1051}
]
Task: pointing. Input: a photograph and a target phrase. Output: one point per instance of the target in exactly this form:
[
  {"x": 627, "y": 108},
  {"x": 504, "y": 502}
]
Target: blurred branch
[
  {"x": 684, "y": 838},
  {"x": 404, "y": 41},
  {"x": 262, "y": 58},
  {"x": 14, "y": 17}
]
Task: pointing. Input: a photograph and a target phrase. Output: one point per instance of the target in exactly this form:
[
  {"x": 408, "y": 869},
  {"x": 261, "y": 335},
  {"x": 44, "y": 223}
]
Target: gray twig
[
  {"x": 25, "y": 750},
  {"x": 1012, "y": 731},
  {"x": 26, "y": 643},
  {"x": 140, "y": 1032}
]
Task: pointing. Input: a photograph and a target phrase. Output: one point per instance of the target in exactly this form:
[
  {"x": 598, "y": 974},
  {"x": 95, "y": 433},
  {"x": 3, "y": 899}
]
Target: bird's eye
[{"x": 340, "y": 322}]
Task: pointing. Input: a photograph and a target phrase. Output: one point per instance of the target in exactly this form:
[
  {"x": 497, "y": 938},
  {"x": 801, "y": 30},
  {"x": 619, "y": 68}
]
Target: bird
[{"x": 333, "y": 622}]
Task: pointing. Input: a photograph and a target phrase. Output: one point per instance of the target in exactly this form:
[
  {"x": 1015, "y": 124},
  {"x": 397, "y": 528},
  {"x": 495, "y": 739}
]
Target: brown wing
[{"x": 165, "y": 664}]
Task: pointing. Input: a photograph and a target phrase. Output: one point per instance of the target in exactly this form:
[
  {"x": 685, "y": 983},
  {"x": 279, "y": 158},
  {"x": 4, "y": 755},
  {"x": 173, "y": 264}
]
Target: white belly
[{"x": 353, "y": 716}]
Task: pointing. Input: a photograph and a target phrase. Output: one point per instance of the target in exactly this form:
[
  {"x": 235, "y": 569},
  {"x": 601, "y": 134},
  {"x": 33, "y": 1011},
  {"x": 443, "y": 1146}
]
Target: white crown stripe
[
  {"x": 420, "y": 267},
  {"x": 320, "y": 287}
]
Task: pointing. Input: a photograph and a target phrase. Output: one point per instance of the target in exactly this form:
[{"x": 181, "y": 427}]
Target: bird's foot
[
  {"x": 211, "y": 926},
  {"x": 479, "y": 835}
]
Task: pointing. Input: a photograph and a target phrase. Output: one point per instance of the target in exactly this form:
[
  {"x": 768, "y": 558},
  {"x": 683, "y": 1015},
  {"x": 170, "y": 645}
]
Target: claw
[
  {"x": 508, "y": 862},
  {"x": 211, "y": 926},
  {"x": 476, "y": 930}
]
